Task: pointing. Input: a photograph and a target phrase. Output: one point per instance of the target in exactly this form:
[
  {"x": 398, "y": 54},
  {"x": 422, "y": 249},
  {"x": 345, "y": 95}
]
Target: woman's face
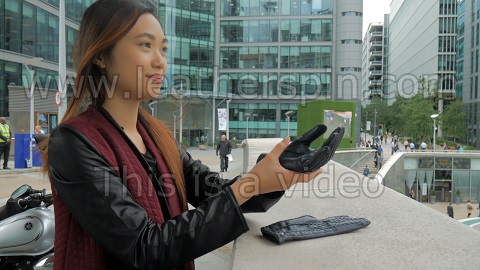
[{"x": 137, "y": 63}]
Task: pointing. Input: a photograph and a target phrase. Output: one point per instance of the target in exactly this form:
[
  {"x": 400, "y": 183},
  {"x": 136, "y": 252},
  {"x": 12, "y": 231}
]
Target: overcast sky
[{"x": 373, "y": 11}]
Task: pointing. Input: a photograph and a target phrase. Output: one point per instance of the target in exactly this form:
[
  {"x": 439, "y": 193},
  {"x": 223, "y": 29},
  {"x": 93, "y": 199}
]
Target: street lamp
[
  {"x": 27, "y": 63},
  {"x": 247, "y": 115},
  {"x": 228, "y": 118},
  {"x": 175, "y": 125},
  {"x": 288, "y": 114},
  {"x": 434, "y": 117},
  {"x": 366, "y": 124},
  {"x": 150, "y": 105}
]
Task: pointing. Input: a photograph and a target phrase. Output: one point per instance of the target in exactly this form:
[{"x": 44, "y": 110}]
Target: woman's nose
[{"x": 160, "y": 60}]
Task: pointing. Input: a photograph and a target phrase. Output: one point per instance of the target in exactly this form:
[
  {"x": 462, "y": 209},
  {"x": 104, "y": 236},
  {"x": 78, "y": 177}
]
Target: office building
[
  {"x": 375, "y": 62},
  {"x": 468, "y": 46},
  {"x": 272, "y": 56},
  {"x": 255, "y": 59},
  {"x": 422, "y": 49}
]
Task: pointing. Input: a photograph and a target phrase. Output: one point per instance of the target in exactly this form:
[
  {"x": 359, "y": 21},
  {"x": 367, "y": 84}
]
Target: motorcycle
[{"x": 27, "y": 229}]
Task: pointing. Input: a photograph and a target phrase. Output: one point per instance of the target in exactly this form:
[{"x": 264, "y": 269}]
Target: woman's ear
[{"x": 99, "y": 62}]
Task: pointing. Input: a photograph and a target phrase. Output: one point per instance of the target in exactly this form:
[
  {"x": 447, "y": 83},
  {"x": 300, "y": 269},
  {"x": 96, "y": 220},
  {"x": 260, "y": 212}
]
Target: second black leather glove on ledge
[
  {"x": 299, "y": 157},
  {"x": 308, "y": 227}
]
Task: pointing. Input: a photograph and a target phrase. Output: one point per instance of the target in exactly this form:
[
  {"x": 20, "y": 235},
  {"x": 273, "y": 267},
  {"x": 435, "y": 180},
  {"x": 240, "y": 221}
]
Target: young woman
[{"x": 121, "y": 185}]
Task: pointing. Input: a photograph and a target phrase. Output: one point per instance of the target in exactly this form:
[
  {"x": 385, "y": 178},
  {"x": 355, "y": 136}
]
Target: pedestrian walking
[
  {"x": 380, "y": 161},
  {"x": 469, "y": 209},
  {"x": 450, "y": 210},
  {"x": 224, "y": 148},
  {"x": 366, "y": 171}
]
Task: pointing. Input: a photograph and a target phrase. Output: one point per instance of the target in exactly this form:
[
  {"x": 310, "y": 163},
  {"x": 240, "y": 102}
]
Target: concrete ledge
[{"x": 403, "y": 233}]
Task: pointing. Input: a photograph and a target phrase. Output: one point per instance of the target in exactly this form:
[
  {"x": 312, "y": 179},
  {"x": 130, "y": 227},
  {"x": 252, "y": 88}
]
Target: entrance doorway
[{"x": 443, "y": 189}]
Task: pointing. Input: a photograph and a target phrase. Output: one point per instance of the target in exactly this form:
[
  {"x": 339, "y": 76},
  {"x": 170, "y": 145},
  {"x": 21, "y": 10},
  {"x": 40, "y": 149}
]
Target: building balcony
[
  {"x": 376, "y": 72},
  {"x": 374, "y": 83},
  {"x": 375, "y": 63},
  {"x": 375, "y": 48},
  {"x": 376, "y": 43},
  {"x": 375, "y": 56}
]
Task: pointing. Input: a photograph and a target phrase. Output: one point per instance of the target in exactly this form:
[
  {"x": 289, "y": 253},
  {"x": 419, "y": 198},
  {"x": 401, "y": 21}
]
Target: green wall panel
[{"x": 313, "y": 113}]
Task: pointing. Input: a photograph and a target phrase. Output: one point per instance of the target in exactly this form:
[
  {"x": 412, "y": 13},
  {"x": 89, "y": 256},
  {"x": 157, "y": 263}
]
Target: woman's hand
[{"x": 269, "y": 176}]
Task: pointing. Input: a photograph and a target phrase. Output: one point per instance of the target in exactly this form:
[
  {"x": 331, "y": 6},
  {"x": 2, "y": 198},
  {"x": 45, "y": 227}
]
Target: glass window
[
  {"x": 307, "y": 7},
  {"x": 293, "y": 84},
  {"x": 305, "y": 57},
  {"x": 322, "y": 6},
  {"x": 13, "y": 26},
  {"x": 232, "y": 31},
  {"x": 477, "y": 37},
  {"x": 70, "y": 41},
  {"x": 352, "y": 13},
  {"x": 268, "y": 7},
  {"x": 461, "y": 163},
  {"x": 28, "y": 29},
  {"x": 461, "y": 25},
  {"x": 443, "y": 163},
  {"x": 47, "y": 35},
  {"x": 460, "y": 48},
  {"x": 425, "y": 163}
]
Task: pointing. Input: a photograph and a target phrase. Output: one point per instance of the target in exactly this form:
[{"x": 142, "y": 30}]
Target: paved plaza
[{"x": 217, "y": 260}]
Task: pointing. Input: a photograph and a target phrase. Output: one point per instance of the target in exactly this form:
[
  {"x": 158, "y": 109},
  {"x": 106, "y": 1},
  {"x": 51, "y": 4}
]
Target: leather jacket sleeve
[
  {"x": 202, "y": 183},
  {"x": 98, "y": 200}
]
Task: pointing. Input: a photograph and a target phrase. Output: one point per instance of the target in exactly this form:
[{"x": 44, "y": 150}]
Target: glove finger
[
  {"x": 311, "y": 135},
  {"x": 349, "y": 225},
  {"x": 331, "y": 139},
  {"x": 334, "y": 141}
]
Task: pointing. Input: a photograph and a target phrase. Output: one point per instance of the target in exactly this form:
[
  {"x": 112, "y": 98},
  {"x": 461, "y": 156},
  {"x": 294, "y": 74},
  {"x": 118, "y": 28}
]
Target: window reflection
[
  {"x": 307, "y": 30},
  {"x": 268, "y": 85},
  {"x": 274, "y": 7},
  {"x": 307, "y": 7},
  {"x": 306, "y": 57},
  {"x": 261, "y": 118},
  {"x": 249, "y": 31},
  {"x": 249, "y": 57}
]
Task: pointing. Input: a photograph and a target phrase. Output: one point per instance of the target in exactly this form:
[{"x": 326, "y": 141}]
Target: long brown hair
[{"x": 103, "y": 24}]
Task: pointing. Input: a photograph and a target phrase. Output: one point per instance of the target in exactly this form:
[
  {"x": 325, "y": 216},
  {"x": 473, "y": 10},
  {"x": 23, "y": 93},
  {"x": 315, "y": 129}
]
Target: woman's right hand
[{"x": 269, "y": 175}]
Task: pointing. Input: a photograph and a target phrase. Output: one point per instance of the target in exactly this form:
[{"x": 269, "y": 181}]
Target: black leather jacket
[{"x": 122, "y": 228}]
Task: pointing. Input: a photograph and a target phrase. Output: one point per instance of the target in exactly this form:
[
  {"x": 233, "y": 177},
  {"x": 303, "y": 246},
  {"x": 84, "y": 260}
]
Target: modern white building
[
  {"x": 372, "y": 62},
  {"x": 468, "y": 47},
  {"x": 422, "y": 48}
]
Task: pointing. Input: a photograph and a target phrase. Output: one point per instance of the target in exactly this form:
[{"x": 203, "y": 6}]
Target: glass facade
[
  {"x": 279, "y": 51},
  {"x": 32, "y": 31},
  {"x": 446, "y": 175},
  {"x": 261, "y": 119},
  {"x": 275, "y": 7},
  {"x": 254, "y": 31},
  {"x": 189, "y": 27}
]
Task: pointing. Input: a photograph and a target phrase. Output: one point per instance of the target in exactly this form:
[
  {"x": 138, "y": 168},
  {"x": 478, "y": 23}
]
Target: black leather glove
[
  {"x": 308, "y": 227},
  {"x": 299, "y": 157}
]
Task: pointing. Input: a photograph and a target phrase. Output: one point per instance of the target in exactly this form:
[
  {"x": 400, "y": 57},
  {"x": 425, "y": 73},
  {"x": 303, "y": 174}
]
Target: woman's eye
[
  {"x": 145, "y": 44},
  {"x": 165, "y": 50}
]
